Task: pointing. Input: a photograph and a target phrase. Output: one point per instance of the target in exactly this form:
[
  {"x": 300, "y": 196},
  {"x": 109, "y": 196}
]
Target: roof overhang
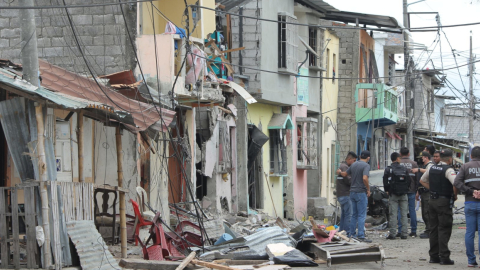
[{"x": 280, "y": 121}]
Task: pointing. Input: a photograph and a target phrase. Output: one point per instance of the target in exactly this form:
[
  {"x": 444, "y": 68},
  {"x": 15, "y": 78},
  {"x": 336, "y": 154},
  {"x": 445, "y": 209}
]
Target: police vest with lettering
[
  {"x": 438, "y": 182},
  {"x": 398, "y": 179},
  {"x": 472, "y": 174}
]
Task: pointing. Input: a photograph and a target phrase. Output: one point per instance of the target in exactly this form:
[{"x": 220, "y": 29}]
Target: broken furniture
[
  {"x": 141, "y": 196},
  {"x": 321, "y": 235},
  {"x": 183, "y": 237},
  {"x": 139, "y": 221},
  {"x": 343, "y": 252},
  {"x": 104, "y": 218},
  {"x": 159, "y": 249}
]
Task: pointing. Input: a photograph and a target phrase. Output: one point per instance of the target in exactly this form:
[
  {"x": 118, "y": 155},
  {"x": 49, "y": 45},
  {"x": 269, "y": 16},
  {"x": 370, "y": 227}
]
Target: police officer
[
  {"x": 468, "y": 181},
  {"x": 423, "y": 194},
  {"x": 396, "y": 181},
  {"x": 343, "y": 193},
  {"x": 439, "y": 180}
]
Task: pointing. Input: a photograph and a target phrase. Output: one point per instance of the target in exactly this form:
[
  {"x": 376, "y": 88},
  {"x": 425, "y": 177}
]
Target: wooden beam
[
  {"x": 151, "y": 265},
  {"x": 123, "y": 217},
  {"x": 213, "y": 265},
  {"x": 234, "y": 50},
  {"x": 113, "y": 188},
  {"x": 80, "y": 131},
  {"x": 186, "y": 261}
]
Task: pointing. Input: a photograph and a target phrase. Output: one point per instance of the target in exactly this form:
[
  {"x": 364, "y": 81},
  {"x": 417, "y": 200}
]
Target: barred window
[{"x": 287, "y": 48}]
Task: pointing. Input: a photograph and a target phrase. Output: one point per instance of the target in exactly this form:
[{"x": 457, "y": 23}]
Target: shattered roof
[{"x": 73, "y": 91}]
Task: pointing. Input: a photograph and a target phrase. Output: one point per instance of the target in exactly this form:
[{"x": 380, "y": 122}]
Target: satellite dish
[{"x": 308, "y": 47}]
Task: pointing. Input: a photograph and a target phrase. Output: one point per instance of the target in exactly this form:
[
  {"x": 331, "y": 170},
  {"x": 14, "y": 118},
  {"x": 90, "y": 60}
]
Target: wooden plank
[
  {"x": 187, "y": 260},
  {"x": 3, "y": 231},
  {"x": 234, "y": 50},
  {"x": 113, "y": 188},
  {"x": 213, "y": 265},
  {"x": 54, "y": 227},
  {"x": 15, "y": 228},
  {"x": 150, "y": 265},
  {"x": 30, "y": 228},
  {"x": 225, "y": 62}
]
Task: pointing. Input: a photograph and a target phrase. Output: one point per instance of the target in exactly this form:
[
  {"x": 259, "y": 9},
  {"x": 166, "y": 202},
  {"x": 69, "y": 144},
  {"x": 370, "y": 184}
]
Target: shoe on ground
[
  {"x": 403, "y": 237},
  {"x": 391, "y": 237},
  {"x": 424, "y": 235},
  {"x": 398, "y": 235},
  {"x": 364, "y": 240},
  {"x": 434, "y": 260},
  {"x": 413, "y": 234},
  {"x": 446, "y": 262},
  {"x": 473, "y": 265}
]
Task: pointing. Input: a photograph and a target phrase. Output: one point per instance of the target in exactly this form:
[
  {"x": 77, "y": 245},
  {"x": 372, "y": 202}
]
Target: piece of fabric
[
  {"x": 359, "y": 213},
  {"x": 357, "y": 170},
  {"x": 425, "y": 198},
  {"x": 398, "y": 203},
  {"x": 412, "y": 212},
  {"x": 346, "y": 217},
  {"x": 343, "y": 183},
  {"x": 441, "y": 220},
  {"x": 472, "y": 216}
]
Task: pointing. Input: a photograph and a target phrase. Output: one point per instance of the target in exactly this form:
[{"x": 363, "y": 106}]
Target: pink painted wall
[{"x": 300, "y": 188}]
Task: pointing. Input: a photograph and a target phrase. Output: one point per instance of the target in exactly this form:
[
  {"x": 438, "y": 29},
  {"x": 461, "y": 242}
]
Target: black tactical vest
[
  {"x": 438, "y": 182},
  {"x": 398, "y": 179}
]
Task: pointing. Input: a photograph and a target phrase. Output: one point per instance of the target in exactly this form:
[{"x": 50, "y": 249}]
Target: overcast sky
[{"x": 451, "y": 12}]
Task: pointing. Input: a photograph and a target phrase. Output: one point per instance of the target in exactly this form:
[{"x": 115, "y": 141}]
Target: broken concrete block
[
  {"x": 214, "y": 228},
  {"x": 279, "y": 249}
]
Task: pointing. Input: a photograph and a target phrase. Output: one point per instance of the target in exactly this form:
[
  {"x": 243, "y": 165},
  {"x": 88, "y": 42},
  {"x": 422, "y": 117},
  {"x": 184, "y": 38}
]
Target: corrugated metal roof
[
  {"x": 73, "y": 91},
  {"x": 229, "y": 4},
  {"x": 91, "y": 248}
]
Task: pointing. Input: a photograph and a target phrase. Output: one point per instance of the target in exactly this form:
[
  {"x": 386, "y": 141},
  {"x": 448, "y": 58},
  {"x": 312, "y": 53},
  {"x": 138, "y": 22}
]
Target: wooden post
[
  {"x": 42, "y": 172},
  {"x": 81, "y": 178},
  {"x": 123, "y": 217},
  {"x": 187, "y": 261}
]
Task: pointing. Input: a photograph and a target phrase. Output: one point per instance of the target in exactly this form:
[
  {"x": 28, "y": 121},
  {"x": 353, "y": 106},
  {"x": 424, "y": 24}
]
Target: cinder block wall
[{"x": 100, "y": 29}]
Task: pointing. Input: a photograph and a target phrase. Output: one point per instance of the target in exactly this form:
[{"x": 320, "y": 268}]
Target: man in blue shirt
[{"x": 359, "y": 193}]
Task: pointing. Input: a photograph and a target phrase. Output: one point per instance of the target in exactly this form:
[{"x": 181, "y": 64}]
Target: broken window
[
  {"x": 278, "y": 152},
  {"x": 307, "y": 143},
  {"x": 287, "y": 48}
]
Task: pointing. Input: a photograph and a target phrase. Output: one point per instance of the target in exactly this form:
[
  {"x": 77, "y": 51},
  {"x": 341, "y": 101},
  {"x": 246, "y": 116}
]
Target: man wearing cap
[
  {"x": 468, "y": 181},
  {"x": 409, "y": 164},
  {"x": 439, "y": 180},
  {"x": 359, "y": 193},
  {"x": 423, "y": 194}
]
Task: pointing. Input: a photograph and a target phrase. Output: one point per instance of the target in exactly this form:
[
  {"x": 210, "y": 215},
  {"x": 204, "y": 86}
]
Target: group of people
[{"x": 435, "y": 185}]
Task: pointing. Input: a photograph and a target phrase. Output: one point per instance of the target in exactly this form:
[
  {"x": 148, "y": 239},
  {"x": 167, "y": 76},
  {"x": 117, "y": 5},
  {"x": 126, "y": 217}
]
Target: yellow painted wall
[
  {"x": 329, "y": 105},
  {"x": 174, "y": 11},
  {"x": 261, "y": 114}
]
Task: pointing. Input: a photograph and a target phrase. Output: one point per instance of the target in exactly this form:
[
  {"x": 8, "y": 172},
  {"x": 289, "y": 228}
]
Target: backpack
[{"x": 398, "y": 180}]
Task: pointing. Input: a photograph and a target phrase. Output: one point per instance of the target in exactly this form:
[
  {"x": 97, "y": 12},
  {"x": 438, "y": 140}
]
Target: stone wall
[
  {"x": 100, "y": 30},
  {"x": 347, "y": 67}
]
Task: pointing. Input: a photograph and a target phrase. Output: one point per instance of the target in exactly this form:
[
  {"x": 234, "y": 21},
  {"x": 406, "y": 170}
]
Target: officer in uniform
[
  {"x": 468, "y": 181},
  {"x": 439, "y": 180},
  {"x": 423, "y": 194}
]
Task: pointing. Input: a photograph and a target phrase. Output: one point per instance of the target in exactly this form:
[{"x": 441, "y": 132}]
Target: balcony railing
[{"x": 374, "y": 102}]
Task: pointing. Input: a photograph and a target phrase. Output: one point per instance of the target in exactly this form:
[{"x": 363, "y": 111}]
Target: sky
[{"x": 451, "y": 12}]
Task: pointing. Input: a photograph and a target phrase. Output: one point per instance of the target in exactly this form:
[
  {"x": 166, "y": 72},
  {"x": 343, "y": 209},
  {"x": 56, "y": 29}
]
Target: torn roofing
[{"x": 73, "y": 91}]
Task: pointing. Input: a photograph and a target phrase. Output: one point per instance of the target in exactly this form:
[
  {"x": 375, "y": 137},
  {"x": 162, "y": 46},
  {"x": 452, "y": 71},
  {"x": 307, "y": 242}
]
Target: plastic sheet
[{"x": 294, "y": 258}]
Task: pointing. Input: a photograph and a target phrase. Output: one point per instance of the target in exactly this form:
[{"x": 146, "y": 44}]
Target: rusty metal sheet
[{"x": 91, "y": 248}]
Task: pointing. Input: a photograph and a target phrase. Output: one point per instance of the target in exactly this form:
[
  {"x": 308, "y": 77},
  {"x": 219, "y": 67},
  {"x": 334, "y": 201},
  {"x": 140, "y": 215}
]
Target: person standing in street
[
  {"x": 439, "y": 180},
  {"x": 409, "y": 164},
  {"x": 436, "y": 157},
  {"x": 396, "y": 182},
  {"x": 468, "y": 181},
  {"x": 359, "y": 193},
  {"x": 343, "y": 192},
  {"x": 423, "y": 194},
  {"x": 430, "y": 149}
]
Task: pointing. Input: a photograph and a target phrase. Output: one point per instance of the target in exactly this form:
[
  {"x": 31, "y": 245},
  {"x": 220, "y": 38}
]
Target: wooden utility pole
[
  {"x": 123, "y": 216},
  {"x": 472, "y": 97},
  {"x": 81, "y": 177},
  {"x": 408, "y": 92},
  {"x": 30, "y": 74}
]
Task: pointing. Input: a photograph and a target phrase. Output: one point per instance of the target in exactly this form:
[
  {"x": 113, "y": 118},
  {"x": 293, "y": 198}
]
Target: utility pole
[
  {"x": 408, "y": 91},
  {"x": 30, "y": 74},
  {"x": 472, "y": 97}
]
